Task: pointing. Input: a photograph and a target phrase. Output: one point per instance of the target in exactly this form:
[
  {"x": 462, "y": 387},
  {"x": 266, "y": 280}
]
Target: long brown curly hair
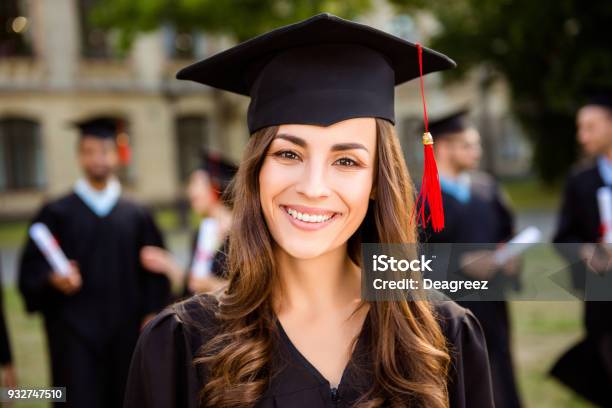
[{"x": 410, "y": 361}]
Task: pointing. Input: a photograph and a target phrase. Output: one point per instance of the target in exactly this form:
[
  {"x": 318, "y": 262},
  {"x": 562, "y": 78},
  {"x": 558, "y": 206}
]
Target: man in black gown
[
  {"x": 476, "y": 212},
  {"x": 587, "y": 367},
  {"x": 94, "y": 313}
]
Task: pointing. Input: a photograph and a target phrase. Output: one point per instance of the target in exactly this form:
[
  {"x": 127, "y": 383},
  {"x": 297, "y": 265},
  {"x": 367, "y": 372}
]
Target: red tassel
[
  {"x": 430, "y": 185},
  {"x": 124, "y": 150},
  {"x": 430, "y": 190}
]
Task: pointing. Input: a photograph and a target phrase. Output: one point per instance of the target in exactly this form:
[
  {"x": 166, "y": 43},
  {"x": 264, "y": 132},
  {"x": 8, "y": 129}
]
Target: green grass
[
  {"x": 169, "y": 219},
  {"x": 531, "y": 194},
  {"x": 12, "y": 233},
  {"x": 542, "y": 332},
  {"x": 28, "y": 345}
]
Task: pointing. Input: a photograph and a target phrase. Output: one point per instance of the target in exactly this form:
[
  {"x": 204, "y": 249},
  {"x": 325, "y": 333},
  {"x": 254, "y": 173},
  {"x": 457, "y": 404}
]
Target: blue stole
[
  {"x": 459, "y": 187},
  {"x": 101, "y": 202}
]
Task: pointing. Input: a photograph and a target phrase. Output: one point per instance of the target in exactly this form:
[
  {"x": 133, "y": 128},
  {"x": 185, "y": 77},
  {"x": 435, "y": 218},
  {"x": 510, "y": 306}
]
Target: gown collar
[
  {"x": 458, "y": 187},
  {"x": 604, "y": 165},
  {"x": 101, "y": 202},
  {"x": 354, "y": 380}
]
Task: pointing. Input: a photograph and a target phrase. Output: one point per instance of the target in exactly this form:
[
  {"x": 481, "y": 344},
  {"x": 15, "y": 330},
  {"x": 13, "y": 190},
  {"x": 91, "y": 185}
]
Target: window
[
  {"x": 96, "y": 42},
  {"x": 180, "y": 44},
  {"x": 14, "y": 29},
  {"x": 21, "y": 156},
  {"x": 192, "y": 138}
]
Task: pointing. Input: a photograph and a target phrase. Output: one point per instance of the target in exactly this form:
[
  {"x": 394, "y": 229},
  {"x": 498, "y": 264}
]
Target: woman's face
[
  {"x": 315, "y": 184},
  {"x": 200, "y": 192}
]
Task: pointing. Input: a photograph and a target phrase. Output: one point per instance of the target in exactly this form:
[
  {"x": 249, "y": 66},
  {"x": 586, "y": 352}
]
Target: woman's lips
[{"x": 309, "y": 218}]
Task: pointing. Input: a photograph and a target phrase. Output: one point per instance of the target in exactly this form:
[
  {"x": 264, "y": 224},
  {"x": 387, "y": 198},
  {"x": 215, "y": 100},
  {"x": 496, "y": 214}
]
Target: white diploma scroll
[
  {"x": 517, "y": 245},
  {"x": 604, "y": 199},
  {"x": 207, "y": 243},
  {"x": 48, "y": 245}
]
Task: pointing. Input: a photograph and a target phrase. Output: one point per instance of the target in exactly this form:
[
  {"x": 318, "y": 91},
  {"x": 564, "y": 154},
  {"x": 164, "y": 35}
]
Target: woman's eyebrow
[
  {"x": 348, "y": 146},
  {"x": 335, "y": 148},
  {"x": 293, "y": 139}
]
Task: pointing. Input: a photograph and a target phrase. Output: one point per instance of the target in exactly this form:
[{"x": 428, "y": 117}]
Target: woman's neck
[{"x": 315, "y": 285}]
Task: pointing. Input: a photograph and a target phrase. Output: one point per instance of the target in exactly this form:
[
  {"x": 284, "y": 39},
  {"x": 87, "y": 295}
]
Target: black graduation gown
[
  {"x": 5, "y": 344},
  {"x": 91, "y": 334},
  {"x": 584, "y": 367},
  {"x": 162, "y": 374},
  {"x": 485, "y": 219}
]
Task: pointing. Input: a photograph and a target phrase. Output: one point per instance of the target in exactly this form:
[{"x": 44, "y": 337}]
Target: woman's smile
[{"x": 309, "y": 218}]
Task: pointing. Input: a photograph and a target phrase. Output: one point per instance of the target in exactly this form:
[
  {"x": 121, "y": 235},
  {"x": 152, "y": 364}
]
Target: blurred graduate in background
[
  {"x": 8, "y": 378},
  {"x": 587, "y": 366},
  {"x": 476, "y": 211},
  {"x": 206, "y": 192},
  {"x": 93, "y": 312}
]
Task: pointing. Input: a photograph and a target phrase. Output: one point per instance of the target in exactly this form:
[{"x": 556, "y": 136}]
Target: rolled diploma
[
  {"x": 604, "y": 199},
  {"x": 205, "y": 248},
  {"x": 527, "y": 238},
  {"x": 48, "y": 245}
]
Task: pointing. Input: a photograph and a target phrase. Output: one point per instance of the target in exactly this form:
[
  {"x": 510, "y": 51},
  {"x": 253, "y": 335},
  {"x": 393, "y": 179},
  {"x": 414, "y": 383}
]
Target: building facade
[{"x": 57, "y": 68}]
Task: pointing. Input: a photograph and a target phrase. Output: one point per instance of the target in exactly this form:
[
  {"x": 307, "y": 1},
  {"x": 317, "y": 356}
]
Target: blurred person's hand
[
  {"x": 479, "y": 264},
  {"x": 158, "y": 260},
  {"x": 606, "y": 251},
  {"x": 8, "y": 376},
  {"x": 68, "y": 284},
  {"x": 206, "y": 284},
  {"x": 597, "y": 257},
  {"x": 512, "y": 266}
]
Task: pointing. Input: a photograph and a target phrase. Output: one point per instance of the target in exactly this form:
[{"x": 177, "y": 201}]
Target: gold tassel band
[{"x": 427, "y": 138}]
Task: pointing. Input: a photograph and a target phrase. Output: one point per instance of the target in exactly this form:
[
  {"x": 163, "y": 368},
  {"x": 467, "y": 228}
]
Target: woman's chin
[{"x": 304, "y": 249}]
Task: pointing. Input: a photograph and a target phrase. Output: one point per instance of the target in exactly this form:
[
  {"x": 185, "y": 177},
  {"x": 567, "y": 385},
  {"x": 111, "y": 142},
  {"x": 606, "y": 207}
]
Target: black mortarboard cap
[
  {"x": 454, "y": 122},
  {"x": 318, "y": 71},
  {"x": 600, "y": 96},
  {"x": 103, "y": 128},
  {"x": 220, "y": 170}
]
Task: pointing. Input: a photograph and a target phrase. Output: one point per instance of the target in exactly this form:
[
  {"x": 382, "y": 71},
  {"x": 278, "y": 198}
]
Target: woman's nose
[{"x": 313, "y": 181}]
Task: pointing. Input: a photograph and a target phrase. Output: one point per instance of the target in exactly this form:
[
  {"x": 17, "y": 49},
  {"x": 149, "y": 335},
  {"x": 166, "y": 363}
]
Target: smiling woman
[
  {"x": 322, "y": 173},
  {"x": 303, "y": 183}
]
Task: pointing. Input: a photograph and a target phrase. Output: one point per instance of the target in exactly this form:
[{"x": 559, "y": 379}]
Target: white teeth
[{"x": 307, "y": 217}]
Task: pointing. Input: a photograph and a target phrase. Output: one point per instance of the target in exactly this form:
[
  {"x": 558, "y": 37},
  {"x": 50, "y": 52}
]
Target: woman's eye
[
  {"x": 345, "y": 161},
  {"x": 287, "y": 154}
]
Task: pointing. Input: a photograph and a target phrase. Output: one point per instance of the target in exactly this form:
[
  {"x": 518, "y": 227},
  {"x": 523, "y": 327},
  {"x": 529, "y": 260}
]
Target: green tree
[
  {"x": 549, "y": 51},
  {"x": 241, "y": 19}
]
